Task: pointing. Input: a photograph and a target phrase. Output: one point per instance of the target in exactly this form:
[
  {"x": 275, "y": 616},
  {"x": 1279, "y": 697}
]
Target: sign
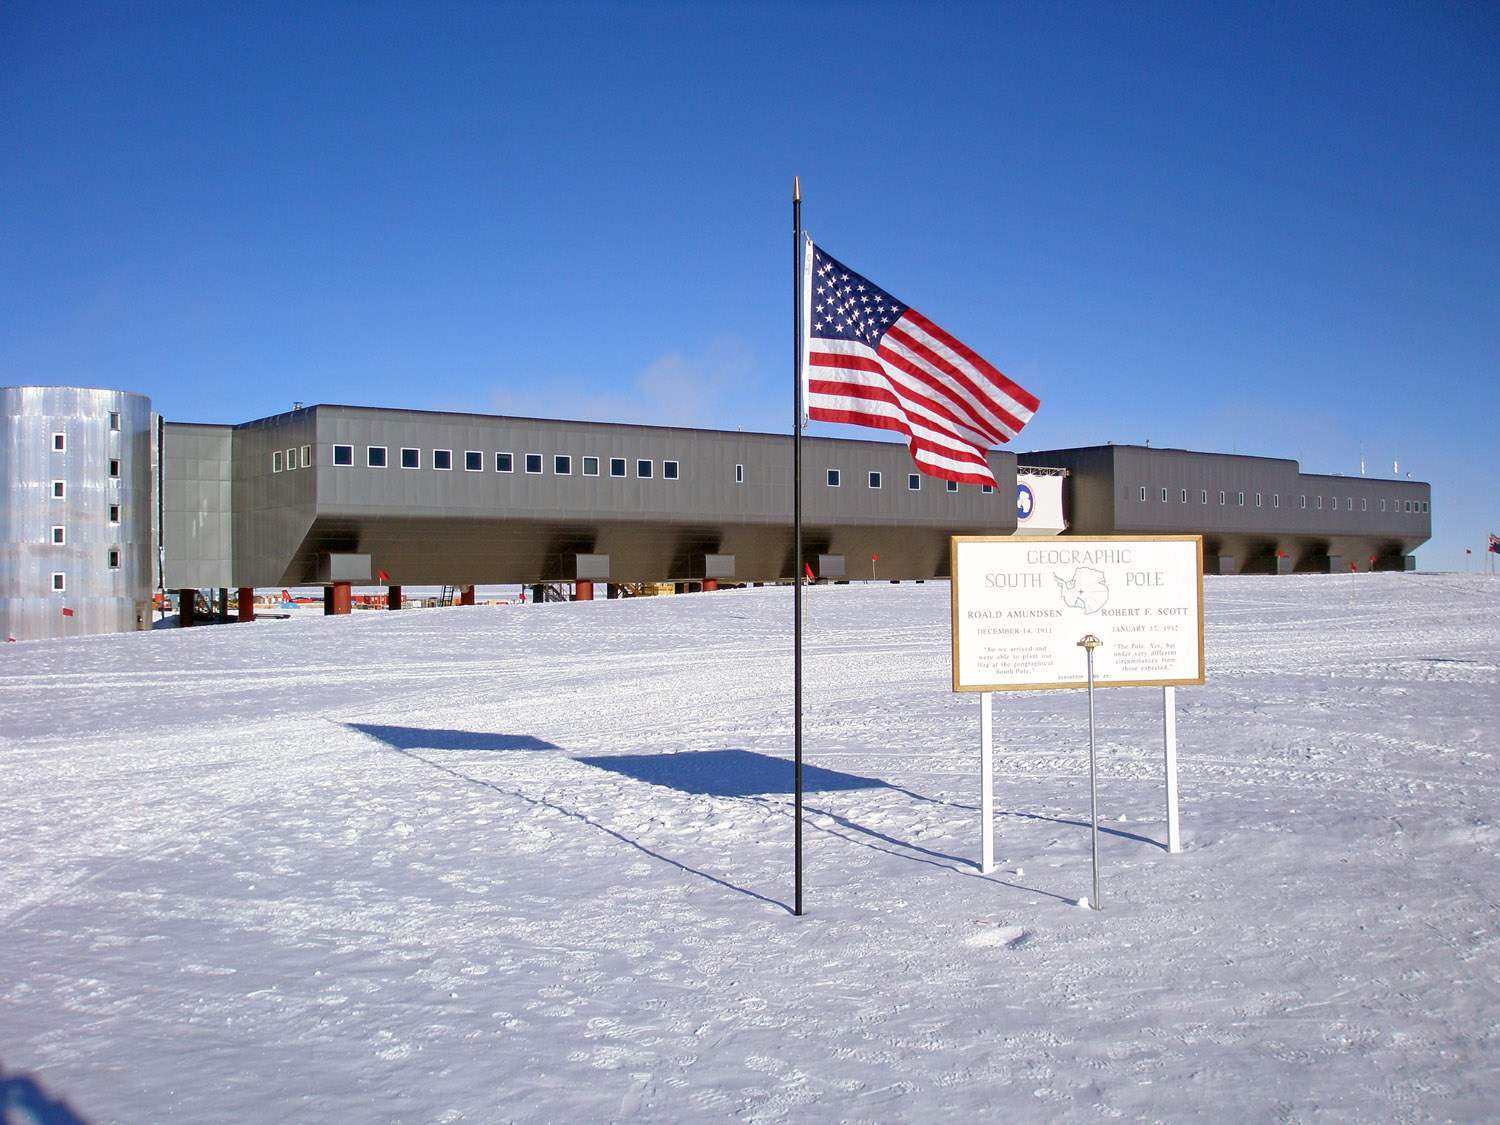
[{"x": 1021, "y": 604}]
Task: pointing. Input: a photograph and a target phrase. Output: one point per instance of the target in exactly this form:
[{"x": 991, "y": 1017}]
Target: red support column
[
  {"x": 583, "y": 590},
  {"x": 247, "y": 603},
  {"x": 336, "y": 601},
  {"x": 710, "y": 585},
  {"x": 393, "y": 597},
  {"x": 187, "y": 608},
  {"x": 467, "y": 597}
]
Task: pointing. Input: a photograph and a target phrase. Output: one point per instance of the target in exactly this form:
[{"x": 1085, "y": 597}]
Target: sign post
[
  {"x": 1089, "y": 644},
  {"x": 1020, "y": 603}
]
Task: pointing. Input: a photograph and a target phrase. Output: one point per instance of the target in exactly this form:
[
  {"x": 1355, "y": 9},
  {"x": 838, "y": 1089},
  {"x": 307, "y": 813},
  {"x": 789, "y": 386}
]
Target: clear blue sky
[{"x": 1258, "y": 227}]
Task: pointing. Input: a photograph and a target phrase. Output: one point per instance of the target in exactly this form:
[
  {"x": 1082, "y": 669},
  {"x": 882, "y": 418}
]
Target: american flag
[{"x": 872, "y": 361}]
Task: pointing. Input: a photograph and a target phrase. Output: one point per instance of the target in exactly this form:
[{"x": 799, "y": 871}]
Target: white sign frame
[{"x": 1021, "y": 603}]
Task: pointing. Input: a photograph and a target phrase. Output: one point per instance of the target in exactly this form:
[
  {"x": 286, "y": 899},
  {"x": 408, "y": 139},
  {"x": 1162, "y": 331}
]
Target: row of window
[
  {"x": 60, "y": 577},
  {"x": 60, "y": 439},
  {"x": 1412, "y": 506},
  {"x": 60, "y": 539},
  {"x": 60, "y": 487},
  {"x": 876, "y": 480},
  {"x": 377, "y": 457},
  {"x": 288, "y": 461}
]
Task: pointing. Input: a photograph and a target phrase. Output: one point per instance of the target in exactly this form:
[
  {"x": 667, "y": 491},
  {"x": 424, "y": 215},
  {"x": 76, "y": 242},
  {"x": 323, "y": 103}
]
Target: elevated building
[{"x": 107, "y": 502}]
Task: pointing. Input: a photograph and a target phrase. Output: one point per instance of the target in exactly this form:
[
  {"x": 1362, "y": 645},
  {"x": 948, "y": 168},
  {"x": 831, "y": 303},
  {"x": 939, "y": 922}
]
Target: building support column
[
  {"x": 187, "y": 608},
  {"x": 393, "y": 597},
  {"x": 247, "y": 603},
  {"x": 336, "y": 599},
  {"x": 467, "y": 597},
  {"x": 710, "y": 585},
  {"x": 583, "y": 590}
]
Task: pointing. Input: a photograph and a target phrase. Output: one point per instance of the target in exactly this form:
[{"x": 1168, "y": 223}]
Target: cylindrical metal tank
[{"x": 75, "y": 529}]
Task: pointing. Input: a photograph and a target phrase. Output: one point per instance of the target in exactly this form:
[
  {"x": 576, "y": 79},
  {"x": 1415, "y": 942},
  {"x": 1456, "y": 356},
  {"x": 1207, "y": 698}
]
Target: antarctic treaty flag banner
[{"x": 870, "y": 360}]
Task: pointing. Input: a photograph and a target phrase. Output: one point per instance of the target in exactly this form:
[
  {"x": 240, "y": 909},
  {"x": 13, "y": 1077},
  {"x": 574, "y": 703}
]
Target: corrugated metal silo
[{"x": 75, "y": 531}]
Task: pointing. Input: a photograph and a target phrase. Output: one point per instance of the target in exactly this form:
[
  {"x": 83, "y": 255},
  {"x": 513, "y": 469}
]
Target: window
[
  {"x": 343, "y": 454},
  {"x": 833, "y": 478},
  {"x": 533, "y": 462},
  {"x": 114, "y": 558},
  {"x": 914, "y": 481},
  {"x": 59, "y": 442},
  {"x": 643, "y": 469},
  {"x": 1143, "y": 492},
  {"x": 59, "y": 536},
  {"x": 276, "y": 461},
  {"x": 1364, "y": 505},
  {"x": 669, "y": 470},
  {"x": 114, "y": 419},
  {"x": 59, "y": 490},
  {"x": 114, "y": 513},
  {"x": 375, "y": 456},
  {"x": 1304, "y": 501},
  {"x": 1241, "y": 495},
  {"x": 473, "y": 461},
  {"x": 1382, "y": 505},
  {"x": 1349, "y": 500},
  {"x": 442, "y": 460},
  {"x": 952, "y": 486},
  {"x": 591, "y": 466},
  {"x": 411, "y": 458},
  {"x": 1221, "y": 499},
  {"x": 1335, "y": 504},
  {"x": 504, "y": 463},
  {"x": 986, "y": 488},
  {"x": 1257, "y": 499},
  {"x": 1424, "y": 507},
  {"x": 291, "y": 459},
  {"x": 59, "y": 581},
  {"x": 562, "y": 465},
  {"x": 1319, "y": 503},
  {"x": 114, "y": 468},
  {"x": 1408, "y": 505},
  {"x": 874, "y": 480},
  {"x": 1204, "y": 498},
  {"x": 1275, "y": 499},
  {"x": 307, "y": 456},
  {"x": 1184, "y": 496},
  {"x": 617, "y": 466},
  {"x": 739, "y": 474},
  {"x": 1164, "y": 496}
]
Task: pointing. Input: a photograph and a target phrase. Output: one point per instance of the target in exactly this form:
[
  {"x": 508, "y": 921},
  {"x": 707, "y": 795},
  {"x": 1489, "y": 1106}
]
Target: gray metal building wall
[
  {"x": 197, "y": 506},
  {"x": 1260, "y": 512}
]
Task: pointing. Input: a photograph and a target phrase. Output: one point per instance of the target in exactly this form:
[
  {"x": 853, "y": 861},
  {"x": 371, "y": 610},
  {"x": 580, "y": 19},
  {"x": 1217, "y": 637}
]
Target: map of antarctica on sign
[{"x": 1021, "y": 605}]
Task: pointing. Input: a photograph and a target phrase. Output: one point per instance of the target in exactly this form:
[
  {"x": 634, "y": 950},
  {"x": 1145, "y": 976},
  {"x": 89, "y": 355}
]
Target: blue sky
[{"x": 1264, "y": 228}]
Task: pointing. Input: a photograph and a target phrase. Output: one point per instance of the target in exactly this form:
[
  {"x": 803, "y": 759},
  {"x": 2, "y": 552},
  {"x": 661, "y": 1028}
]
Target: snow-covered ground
[{"x": 534, "y": 863}]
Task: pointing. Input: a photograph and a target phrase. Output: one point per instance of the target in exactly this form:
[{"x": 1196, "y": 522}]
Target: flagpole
[{"x": 797, "y": 545}]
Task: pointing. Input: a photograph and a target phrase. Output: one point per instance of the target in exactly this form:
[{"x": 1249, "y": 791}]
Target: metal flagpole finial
[
  {"x": 1090, "y": 642},
  {"x": 796, "y": 189}
]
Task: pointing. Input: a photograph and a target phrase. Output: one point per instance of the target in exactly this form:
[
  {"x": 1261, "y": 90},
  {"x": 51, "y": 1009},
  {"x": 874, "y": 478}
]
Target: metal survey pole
[
  {"x": 986, "y": 783},
  {"x": 1089, "y": 644}
]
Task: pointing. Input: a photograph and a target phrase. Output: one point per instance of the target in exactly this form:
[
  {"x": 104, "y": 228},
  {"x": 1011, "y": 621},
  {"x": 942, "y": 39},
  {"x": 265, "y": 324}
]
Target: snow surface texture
[{"x": 534, "y": 863}]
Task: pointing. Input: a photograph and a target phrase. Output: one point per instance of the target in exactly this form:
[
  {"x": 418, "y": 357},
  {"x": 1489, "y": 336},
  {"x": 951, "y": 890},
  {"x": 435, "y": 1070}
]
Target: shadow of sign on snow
[
  {"x": 423, "y": 738},
  {"x": 728, "y": 773}
]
